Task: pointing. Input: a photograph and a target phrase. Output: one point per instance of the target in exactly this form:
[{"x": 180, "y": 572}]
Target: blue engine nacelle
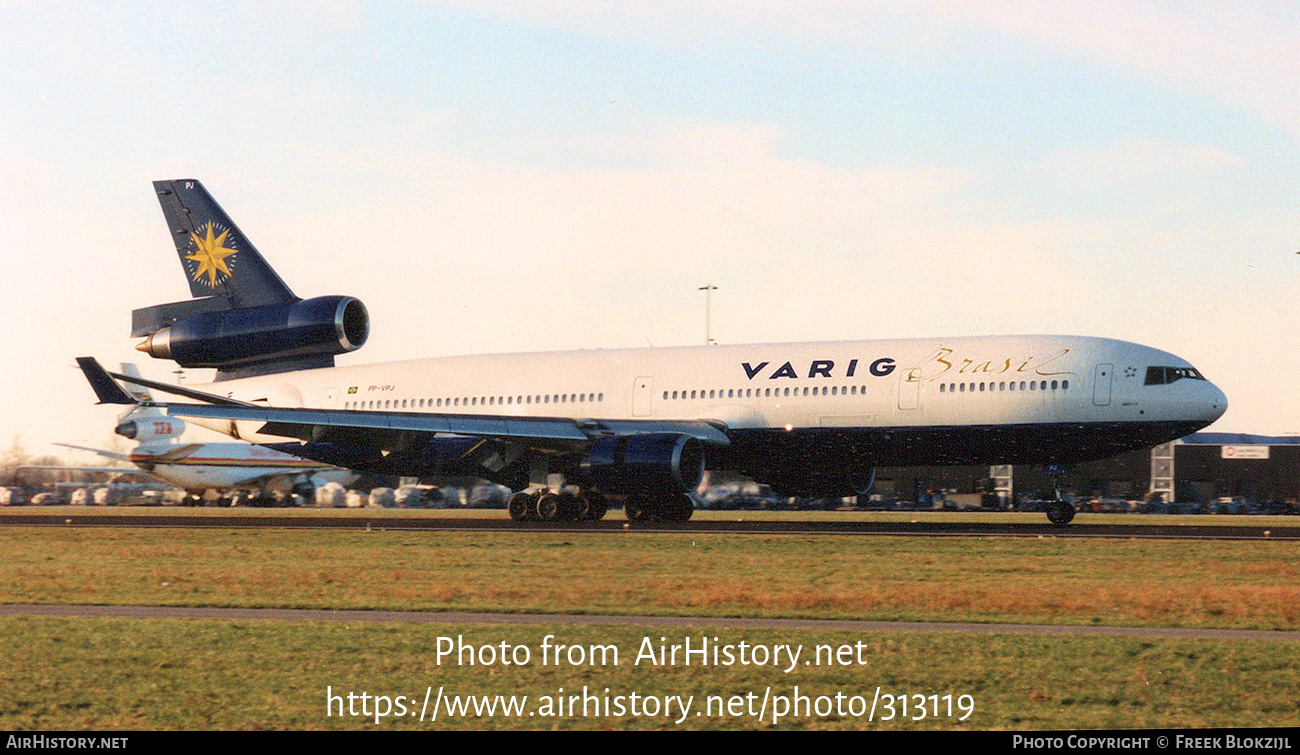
[
  {"x": 320, "y": 327},
  {"x": 651, "y": 464}
]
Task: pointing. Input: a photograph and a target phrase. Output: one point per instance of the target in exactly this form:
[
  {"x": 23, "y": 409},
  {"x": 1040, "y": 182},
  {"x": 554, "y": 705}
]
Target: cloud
[
  {"x": 693, "y": 142},
  {"x": 1235, "y": 52},
  {"x": 610, "y": 256},
  {"x": 1239, "y": 53}
]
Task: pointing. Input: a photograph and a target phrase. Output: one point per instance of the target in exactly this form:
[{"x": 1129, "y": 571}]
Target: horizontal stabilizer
[
  {"x": 169, "y": 454},
  {"x": 149, "y": 320},
  {"x": 124, "y": 471},
  {"x": 99, "y": 451}
]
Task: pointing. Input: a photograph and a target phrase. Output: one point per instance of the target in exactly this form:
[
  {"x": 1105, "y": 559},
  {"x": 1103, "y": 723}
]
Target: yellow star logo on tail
[{"x": 211, "y": 254}]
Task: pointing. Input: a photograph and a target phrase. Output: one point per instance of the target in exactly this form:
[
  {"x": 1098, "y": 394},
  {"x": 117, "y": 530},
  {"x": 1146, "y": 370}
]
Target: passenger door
[
  {"x": 642, "y": 396},
  {"x": 1101, "y": 384}
]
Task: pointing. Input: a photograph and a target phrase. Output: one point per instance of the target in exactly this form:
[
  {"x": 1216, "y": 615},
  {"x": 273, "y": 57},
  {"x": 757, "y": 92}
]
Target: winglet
[
  {"x": 106, "y": 388},
  {"x": 177, "y": 390}
]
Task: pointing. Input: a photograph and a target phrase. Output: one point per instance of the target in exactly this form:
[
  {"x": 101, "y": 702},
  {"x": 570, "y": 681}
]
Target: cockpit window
[{"x": 1165, "y": 375}]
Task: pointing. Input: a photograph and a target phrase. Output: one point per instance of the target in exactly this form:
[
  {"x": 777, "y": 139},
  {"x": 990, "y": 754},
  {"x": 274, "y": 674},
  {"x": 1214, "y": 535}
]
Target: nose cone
[
  {"x": 1191, "y": 403},
  {"x": 1198, "y": 402},
  {"x": 1218, "y": 402}
]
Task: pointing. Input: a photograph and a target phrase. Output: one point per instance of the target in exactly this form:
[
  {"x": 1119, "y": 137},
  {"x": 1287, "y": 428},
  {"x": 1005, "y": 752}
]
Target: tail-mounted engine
[
  {"x": 308, "y": 332},
  {"x": 243, "y": 319},
  {"x": 146, "y": 429},
  {"x": 654, "y": 463}
]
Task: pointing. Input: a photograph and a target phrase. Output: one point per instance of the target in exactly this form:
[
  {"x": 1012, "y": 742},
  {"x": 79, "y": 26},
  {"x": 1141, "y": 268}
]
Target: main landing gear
[
  {"x": 672, "y": 508},
  {"x": 547, "y": 506}
]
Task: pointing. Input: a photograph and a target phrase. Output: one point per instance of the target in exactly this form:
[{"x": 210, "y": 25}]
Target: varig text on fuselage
[{"x": 817, "y": 368}]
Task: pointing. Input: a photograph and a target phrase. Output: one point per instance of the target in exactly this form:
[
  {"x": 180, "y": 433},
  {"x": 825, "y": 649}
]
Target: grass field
[
  {"x": 1228, "y": 584},
  {"x": 137, "y": 674},
  {"x": 83, "y": 673}
]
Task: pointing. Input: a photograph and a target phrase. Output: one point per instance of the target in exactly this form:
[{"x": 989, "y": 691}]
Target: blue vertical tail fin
[{"x": 218, "y": 259}]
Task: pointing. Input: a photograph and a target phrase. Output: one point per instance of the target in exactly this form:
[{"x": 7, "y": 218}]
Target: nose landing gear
[{"x": 1060, "y": 512}]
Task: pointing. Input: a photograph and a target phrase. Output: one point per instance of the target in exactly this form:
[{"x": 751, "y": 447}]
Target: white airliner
[
  {"x": 568, "y": 428},
  {"x": 205, "y": 468}
]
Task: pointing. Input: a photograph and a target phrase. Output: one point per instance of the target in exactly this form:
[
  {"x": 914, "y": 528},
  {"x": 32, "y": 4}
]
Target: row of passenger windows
[
  {"x": 852, "y": 390},
  {"x": 833, "y": 390},
  {"x": 1032, "y": 385},
  {"x": 429, "y": 403},
  {"x": 732, "y": 393}
]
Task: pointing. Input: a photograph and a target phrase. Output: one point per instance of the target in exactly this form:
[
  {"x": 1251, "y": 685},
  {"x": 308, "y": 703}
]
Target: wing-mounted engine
[
  {"x": 305, "y": 332},
  {"x": 662, "y": 463}
]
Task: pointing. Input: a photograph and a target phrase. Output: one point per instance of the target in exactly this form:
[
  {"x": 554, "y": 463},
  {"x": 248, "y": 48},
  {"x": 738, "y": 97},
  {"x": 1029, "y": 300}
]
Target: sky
[{"x": 528, "y": 176}]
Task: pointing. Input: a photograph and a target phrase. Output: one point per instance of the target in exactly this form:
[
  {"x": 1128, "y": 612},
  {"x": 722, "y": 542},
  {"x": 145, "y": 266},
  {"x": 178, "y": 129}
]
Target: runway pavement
[{"x": 919, "y": 525}]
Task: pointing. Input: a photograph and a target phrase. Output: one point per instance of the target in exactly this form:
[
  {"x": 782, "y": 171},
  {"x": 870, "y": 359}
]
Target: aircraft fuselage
[{"x": 1010, "y": 399}]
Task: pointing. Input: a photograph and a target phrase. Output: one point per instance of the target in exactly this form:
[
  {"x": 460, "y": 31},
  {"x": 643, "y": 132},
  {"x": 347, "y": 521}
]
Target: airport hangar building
[{"x": 1201, "y": 468}]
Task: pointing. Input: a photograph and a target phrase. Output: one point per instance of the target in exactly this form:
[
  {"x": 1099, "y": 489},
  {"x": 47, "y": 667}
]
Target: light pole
[{"x": 708, "y": 311}]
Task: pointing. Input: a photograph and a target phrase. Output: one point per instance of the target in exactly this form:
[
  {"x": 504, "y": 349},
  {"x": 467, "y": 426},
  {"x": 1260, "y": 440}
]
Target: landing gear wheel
[
  {"x": 521, "y": 507},
  {"x": 549, "y": 507},
  {"x": 1059, "y": 513},
  {"x": 637, "y": 509},
  {"x": 596, "y": 506},
  {"x": 573, "y": 507},
  {"x": 677, "y": 509}
]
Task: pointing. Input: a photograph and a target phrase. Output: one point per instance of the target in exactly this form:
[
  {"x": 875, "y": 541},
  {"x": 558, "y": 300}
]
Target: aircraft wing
[
  {"x": 538, "y": 432},
  {"x": 390, "y": 430},
  {"x": 109, "y": 392}
]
